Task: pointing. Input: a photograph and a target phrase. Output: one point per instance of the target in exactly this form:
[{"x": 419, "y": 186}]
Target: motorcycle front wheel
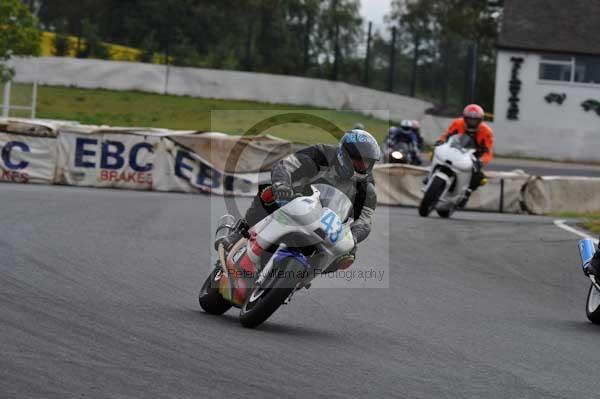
[
  {"x": 209, "y": 298},
  {"x": 444, "y": 213},
  {"x": 592, "y": 308},
  {"x": 431, "y": 197},
  {"x": 265, "y": 299}
]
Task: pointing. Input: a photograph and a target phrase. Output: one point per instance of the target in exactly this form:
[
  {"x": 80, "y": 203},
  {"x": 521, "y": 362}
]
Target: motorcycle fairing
[{"x": 235, "y": 285}]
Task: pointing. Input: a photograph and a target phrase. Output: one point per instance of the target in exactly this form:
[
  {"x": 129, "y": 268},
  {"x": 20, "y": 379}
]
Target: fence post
[
  {"x": 392, "y": 71},
  {"x": 35, "y": 89},
  {"x": 6, "y": 100},
  {"x": 501, "y": 210},
  {"x": 471, "y": 73},
  {"x": 368, "y": 56},
  {"x": 413, "y": 82}
]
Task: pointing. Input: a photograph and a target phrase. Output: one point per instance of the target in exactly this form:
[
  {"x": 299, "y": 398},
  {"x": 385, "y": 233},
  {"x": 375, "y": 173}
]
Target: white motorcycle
[
  {"x": 306, "y": 237},
  {"x": 587, "y": 250},
  {"x": 449, "y": 177}
]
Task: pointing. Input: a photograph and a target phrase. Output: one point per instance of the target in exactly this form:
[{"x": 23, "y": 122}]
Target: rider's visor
[
  {"x": 362, "y": 166},
  {"x": 472, "y": 122}
]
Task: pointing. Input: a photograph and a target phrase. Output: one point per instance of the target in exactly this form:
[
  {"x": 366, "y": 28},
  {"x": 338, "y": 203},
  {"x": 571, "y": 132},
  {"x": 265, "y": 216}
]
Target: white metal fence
[{"x": 7, "y": 104}]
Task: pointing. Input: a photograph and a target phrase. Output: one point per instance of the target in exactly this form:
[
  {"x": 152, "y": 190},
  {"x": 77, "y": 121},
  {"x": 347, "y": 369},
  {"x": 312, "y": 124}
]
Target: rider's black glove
[
  {"x": 438, "y": 142},
  {"x": 282, "y": 192}
]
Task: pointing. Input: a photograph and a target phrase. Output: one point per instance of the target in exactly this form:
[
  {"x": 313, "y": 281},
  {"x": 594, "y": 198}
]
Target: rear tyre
[
  {"x": 592, "y": 308},
  {"x": 209, "y": 298},
  {"x": 266, "y": 299},
  {"x": 431, "y": 197}
]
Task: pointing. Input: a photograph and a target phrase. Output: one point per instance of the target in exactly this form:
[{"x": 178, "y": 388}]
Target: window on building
[
  {"x": 565, "y": 68},
  {"x": 555, "y": 72},
  {"x": 587, "y": 69},
  {"x": 556, "y": 67}
]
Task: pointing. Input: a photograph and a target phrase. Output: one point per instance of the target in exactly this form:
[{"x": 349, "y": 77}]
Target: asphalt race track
[{"x": 98, "y": 299}]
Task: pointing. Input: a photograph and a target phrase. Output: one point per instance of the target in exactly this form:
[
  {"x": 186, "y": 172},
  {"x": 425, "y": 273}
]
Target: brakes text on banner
[
  {"x": 25, "y": 159},
  {"x": 108, "y": 160},
  {"x": 186, "y": 171}
]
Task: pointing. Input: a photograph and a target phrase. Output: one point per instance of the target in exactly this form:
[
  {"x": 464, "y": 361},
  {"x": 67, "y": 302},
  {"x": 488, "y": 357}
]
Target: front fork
[{"x": 262, "y": 276}]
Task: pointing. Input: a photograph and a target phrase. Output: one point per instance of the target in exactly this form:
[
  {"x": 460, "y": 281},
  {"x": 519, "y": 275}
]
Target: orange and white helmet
[{"x": 473, "y": 116}]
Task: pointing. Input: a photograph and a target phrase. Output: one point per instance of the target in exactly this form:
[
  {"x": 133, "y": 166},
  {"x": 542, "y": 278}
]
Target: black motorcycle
[{"x": 400, "y": 151}]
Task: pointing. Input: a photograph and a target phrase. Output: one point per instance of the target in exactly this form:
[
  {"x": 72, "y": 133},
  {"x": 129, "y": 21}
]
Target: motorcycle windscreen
[
  {"x": 462, "y": 141},
  {"x": 335, "y": 200},
  {"x": 399, "y": 146}
]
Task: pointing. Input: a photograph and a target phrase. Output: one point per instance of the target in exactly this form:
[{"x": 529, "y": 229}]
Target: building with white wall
[{"x": 547, "y": 101}]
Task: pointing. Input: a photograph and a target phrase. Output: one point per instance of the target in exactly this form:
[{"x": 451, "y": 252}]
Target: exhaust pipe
[{"x": 225, "y": 225}]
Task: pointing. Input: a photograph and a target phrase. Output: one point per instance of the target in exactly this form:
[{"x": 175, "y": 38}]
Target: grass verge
[
  {"x": 588, "y": 220},
  {"x": 132, "y": 108}
]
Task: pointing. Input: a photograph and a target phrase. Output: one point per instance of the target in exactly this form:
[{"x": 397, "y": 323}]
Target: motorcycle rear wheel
[
  {"x": 592, "y": 308},
  {"x": 431, "y": 197},
  {"x": 209, "y": 298},
  {"x": 264, "y": 300}
]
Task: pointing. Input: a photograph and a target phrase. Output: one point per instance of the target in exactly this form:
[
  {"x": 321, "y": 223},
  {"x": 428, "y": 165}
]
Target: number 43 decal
[{"x": 333, "y": 226}]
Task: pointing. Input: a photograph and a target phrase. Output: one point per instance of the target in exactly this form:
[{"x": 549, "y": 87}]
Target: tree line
[{"x": 316, "y": 38}]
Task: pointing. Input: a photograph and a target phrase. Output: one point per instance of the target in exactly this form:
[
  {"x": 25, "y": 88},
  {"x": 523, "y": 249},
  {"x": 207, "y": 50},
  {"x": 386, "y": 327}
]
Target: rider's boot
[
  {"x": 595, "y": 265},
  {"x": 464, "y": 201}
]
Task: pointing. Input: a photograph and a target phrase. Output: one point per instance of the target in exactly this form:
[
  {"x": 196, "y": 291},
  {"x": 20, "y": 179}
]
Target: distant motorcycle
[
  {"x": 400, "y": 152},
  {"x": 449, "y": 177},
  {"x": 306, "y": 237},
  {"x": 592, "y": 309}
]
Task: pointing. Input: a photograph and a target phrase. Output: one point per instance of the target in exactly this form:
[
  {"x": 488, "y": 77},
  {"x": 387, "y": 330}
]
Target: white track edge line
[{"x": 561, "y": 223}]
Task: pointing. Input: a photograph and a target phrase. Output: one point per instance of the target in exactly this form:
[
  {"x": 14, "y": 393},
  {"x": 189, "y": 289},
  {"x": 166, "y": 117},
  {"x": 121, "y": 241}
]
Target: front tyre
[
  {"x": 264, "y": 300},
  {"x": 432, "y": 195},
  {"x": 592, "y": 308},
  {"x": 209, "y": 298},
  {"x": 444, "y": 213}
]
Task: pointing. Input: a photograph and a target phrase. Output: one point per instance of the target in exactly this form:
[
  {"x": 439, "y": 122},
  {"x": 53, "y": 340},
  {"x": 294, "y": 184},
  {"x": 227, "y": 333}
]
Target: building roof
[{"x": 565, "y": 26}]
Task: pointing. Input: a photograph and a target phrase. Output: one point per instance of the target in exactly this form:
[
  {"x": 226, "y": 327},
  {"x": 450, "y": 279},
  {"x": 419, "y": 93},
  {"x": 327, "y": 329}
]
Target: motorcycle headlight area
[{"x": 397, "y": 155}]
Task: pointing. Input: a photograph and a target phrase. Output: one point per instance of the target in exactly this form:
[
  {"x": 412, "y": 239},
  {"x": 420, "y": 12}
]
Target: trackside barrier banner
[
  {"x": 28, "y": 152},
  {"x": 180, "y": 169},
  {"x": 107, "y": 160},
  {"x": 502, "y": 193},
  {"x": 58, "y": 152},
  {"x": 553, "y": 194},
  {"x": 236, "y": 154},
  {"x": 398, "y": 184},
  {"x": 154, "y": 159},
  {"x": 403, "y": 186},
  {"x": 27, "y": 159}
]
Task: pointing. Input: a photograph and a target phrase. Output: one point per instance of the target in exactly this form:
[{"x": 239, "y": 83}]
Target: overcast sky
[{"x": 374, "y": 10}]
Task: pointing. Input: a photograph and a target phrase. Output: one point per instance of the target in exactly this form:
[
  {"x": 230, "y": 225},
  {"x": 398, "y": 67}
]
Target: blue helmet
[{"x": 357, "y": 153}]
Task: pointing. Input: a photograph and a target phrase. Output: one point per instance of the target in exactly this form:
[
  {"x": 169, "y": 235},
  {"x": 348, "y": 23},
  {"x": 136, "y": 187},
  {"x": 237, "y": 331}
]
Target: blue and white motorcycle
[
  {"x": 308, "y": 236},
  {"x": 592, "y": 309}
]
